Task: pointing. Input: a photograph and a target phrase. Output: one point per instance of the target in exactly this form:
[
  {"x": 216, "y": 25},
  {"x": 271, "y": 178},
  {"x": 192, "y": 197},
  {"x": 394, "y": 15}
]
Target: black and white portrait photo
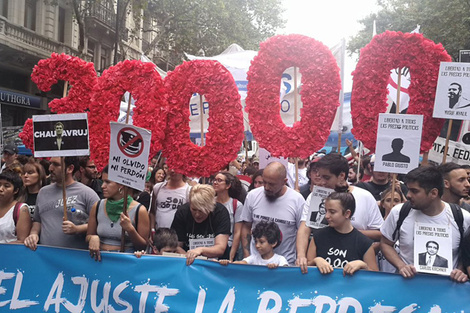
[
  {"x": 396, "y": 155},
  {"x": 430, "y": 257}
]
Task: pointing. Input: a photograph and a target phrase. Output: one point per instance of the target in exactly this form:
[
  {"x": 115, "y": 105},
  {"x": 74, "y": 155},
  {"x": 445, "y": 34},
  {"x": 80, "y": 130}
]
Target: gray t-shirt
[
  {"x": 285, "y": 211},
  {"x": 49, "y": 212}
]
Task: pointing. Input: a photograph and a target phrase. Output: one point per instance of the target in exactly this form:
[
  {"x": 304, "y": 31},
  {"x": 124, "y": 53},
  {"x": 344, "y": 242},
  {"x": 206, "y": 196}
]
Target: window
[
  {"x": 30, "y": 14},
  {"x": 4, "y": 8},
  {"x": 61, "y": 35}
]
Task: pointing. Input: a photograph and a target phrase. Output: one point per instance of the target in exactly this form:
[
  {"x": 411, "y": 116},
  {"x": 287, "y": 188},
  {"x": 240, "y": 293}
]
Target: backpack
[{"x": 406, "y": 208}]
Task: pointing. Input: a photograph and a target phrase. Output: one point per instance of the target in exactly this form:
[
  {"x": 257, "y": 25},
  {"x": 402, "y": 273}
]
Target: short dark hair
[
  {"x": 335, "y": 163},
  {"x": 345, "y": 198},
  {"x": 427, "y": 177},
  {"x": 270, "y": 230},
  {"x": 13, "y": 178},
  {"x": 165, "y": 237},
  {"x": 83, "y": 160},
  {"x": 434, "y": 242},
  {"x": 72, "y": 160},
  {"x": 446, "y": 168}
]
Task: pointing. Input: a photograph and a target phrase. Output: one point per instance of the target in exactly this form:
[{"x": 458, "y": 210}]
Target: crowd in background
[{"x": 242, "y": 214}]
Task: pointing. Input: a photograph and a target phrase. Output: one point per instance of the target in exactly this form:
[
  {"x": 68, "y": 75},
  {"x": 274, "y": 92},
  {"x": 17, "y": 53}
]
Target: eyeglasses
[{"x": 218, "y": 180}]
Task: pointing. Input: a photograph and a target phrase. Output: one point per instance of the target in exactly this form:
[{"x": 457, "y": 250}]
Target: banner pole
[
  {"x": 62, "y": 164},
  {"x": 128, "y": 108},
  {"x": 125, "y": 204},
  {"x": 201, "y": 104},
  {"x": 446, "y": 147},
  {"x": 394, "y": 175},
  {"x": 295, "y": 121}
]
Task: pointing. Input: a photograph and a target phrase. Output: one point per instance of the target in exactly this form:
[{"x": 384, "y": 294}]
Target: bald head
[
  {"x": 276, "y": 169},
  {"x": 274, "y": 177}
]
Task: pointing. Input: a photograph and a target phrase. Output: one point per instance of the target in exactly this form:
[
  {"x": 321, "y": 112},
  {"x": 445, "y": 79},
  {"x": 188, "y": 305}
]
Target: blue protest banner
[{"x": 63, "y": 280}]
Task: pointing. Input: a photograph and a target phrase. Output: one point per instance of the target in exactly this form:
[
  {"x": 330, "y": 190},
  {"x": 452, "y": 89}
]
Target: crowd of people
[{"x": 242, "y": 214}]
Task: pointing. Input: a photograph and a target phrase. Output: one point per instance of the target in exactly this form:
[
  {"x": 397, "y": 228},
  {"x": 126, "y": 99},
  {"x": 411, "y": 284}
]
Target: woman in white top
[
  {"x": 228, "y": 189},
  {"x": 15, "y": 222}
]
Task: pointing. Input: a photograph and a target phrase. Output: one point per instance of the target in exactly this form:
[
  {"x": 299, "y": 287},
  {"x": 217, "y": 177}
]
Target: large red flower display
[
  {"x": 80, "y": 74},
  {"x": 385, "y": 52},
  {"x": 225, "y": 132},
  {"x": 146, "y": 87},
  {"x": 319, "y": 93}
]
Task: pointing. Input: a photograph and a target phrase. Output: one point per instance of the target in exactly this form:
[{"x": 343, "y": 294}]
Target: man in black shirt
[{"x": 379, "y": 182}]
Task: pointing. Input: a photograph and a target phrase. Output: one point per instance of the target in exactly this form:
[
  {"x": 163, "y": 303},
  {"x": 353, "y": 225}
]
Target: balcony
[
  {"x": 100, "y": 16},
  {"x": 28, "y": 41}
]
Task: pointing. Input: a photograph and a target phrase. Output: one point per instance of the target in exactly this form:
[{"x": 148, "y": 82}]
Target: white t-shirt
[
  {"x": 285, "y": 211},
  {"x": 407, "y": 229},
  {"x": 258, "y": 260},
  {"x": 8, "y": 227},
  {"x": 367, "y": 215},
  {"x": 168, "y": 200},
  {"x": 233, "y": 217},
  {"x": 303, "y": 179}
]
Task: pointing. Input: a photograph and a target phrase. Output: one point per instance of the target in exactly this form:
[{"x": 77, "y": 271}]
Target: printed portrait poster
[
  {"x": 265, "y": 158},
  {"x": 128, "y": 155},
  {"x": 453, "y": 91},
  {"x": 60, "y": 135},
  {"x": 317, "y": 211},
  {"x": 398, "y": 143},
  {"x": 433, "y": 248}
]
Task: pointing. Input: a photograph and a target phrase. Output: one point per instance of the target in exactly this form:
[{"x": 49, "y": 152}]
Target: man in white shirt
[
  {"x": 277, "y": 203},
  {"x": 425, "y": 188}
]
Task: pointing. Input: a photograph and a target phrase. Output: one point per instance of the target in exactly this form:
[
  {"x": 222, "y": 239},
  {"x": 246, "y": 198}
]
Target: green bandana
[{"x": 114, "y": 208}]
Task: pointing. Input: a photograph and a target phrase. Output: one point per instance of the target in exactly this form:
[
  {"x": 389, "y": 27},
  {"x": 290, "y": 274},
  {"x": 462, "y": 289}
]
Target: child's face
[
  {"x": 168, "y": 249},
  {"x": 263, "y": 246},
  {"x": 334, "y": 213}
]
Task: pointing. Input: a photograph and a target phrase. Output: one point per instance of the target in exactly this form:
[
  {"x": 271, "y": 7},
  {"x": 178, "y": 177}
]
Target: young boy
[
  {"x": 165, "y": 240},
  {"x": 267, "y": 237}
]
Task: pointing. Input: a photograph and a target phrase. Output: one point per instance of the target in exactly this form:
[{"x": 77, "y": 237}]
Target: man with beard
[
  {"x": 456, "y": 185},
  {"x": 275, "y": 202},
  {"x": 456, "y": 101},
  {"x": 48, "y": 225},
  {"x": 88, "y": 175},
  {"x": 426, "y": 186}
]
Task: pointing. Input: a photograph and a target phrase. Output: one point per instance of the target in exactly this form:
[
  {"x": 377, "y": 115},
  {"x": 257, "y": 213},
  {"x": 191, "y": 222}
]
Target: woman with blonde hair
[{"x": 202, "y": 225}]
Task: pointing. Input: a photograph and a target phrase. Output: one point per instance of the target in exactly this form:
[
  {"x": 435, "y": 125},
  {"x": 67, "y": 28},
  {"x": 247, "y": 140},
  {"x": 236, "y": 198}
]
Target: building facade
[{"x": 31, "y": 30}]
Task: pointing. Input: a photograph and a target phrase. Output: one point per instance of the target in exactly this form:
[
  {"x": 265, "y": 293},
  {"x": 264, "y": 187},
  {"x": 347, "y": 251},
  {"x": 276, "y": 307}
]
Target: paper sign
[
  {"x": 398, "y": 143},
  {"x": 433, "y": 249},
  {"x": 453, "y": 91},
  {"x": 317, "y": 211},
  {"x": 60, "y": 135},
  {"x": 128, "y": 155},
  {"x": 265, "y": 158}
]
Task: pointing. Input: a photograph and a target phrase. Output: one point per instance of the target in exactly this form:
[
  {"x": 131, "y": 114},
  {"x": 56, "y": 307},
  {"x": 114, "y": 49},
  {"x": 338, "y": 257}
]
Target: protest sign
[
  {"x": 453, "y": 94},
  {"x": 433, "y": 249},
  {"x": 265, "y": 158},
  {"x": 317, "y": 210},
  {"x": 459, "y": 143},
  {"x": 65, "y": 280},
  {"x": 398, "y": 143},
  {"x": 60, "y": 135},
  {"x": 128, "y": 155}
]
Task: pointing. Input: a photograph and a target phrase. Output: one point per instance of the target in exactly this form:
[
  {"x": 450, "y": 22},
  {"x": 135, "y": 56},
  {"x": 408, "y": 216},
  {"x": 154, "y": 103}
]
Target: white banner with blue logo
[{"x": 63, "y": 280}]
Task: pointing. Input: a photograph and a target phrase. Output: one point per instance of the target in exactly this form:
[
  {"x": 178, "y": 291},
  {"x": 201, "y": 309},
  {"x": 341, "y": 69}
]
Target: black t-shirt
[
  {"x": 218, "y": 222},
  {"x": 375, "y": 189},
  {"x": 339, "y": 249}
]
